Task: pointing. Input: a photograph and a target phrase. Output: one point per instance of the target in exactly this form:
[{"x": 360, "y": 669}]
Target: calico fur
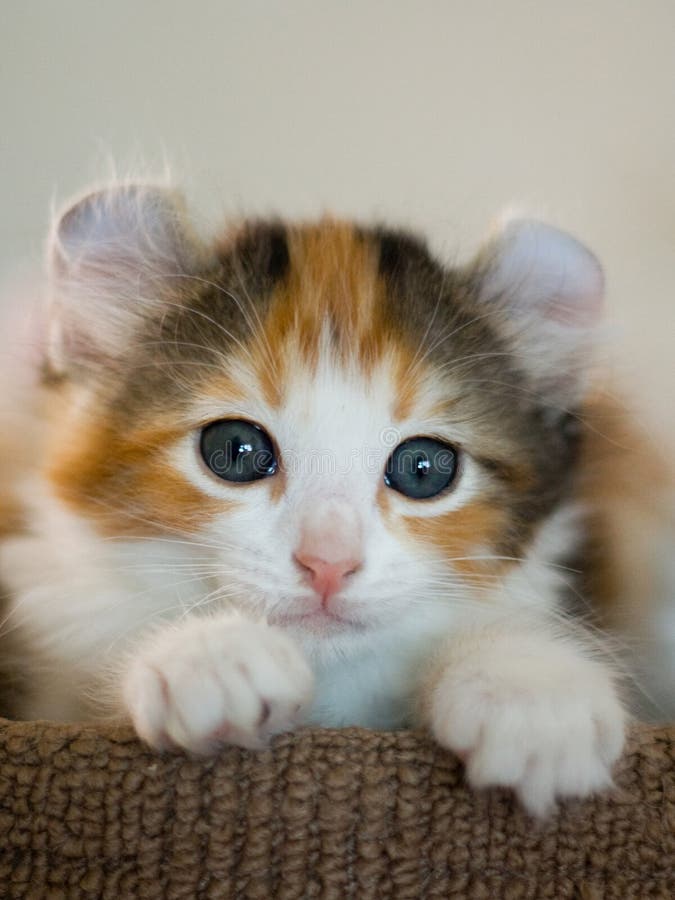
[{"x": 169, "y": 595}]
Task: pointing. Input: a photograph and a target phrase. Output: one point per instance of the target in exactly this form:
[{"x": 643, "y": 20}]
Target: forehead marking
[{"x": 333, "y": 287}]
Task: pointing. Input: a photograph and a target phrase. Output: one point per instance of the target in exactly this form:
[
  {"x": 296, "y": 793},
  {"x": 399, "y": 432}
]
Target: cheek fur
[
  {"x": 462, "y": 534},
  {"x": 126, "y": 484}
]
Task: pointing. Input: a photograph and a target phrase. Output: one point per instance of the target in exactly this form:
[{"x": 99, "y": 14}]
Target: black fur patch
[
  {"x": 399, "y": 251},
  {"x": 262, "y": 252}
]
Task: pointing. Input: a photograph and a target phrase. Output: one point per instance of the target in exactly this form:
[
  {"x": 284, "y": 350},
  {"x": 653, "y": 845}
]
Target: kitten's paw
[
  {"x": 216, "y": 681},
  {"x": 545, "y": 722}
]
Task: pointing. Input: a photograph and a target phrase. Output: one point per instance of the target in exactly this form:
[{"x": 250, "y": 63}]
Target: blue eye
[
  {"x": 237, "y": 450},
  {"x": 421, "y": 467}
]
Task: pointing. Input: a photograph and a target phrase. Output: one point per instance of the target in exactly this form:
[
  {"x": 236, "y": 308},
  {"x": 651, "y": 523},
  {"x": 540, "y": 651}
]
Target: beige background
[{"x": 433, "y": 114}]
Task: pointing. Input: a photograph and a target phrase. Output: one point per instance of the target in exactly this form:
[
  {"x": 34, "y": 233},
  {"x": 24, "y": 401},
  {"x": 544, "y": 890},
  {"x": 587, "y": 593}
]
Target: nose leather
[
  {"x": 329, "y": 547},
  {"x": 326, "y": 577}
]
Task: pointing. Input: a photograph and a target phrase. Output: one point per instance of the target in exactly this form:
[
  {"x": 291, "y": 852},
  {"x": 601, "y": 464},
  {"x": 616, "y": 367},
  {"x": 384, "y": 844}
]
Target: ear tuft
[
  {"x": 547, "y": 291},
  {"x": 113, "y": 257}
]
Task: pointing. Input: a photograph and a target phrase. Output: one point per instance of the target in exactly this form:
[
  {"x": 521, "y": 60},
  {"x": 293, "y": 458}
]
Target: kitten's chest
[{"x": 375, "y": 690}]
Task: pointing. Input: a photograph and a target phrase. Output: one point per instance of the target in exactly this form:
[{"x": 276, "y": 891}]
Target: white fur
[
  {"x": 528, "y": 712},
  {"x": 79, "y": 600},
  {"x": 540, "y": 579},
  {"x": 220, "y": 678}
]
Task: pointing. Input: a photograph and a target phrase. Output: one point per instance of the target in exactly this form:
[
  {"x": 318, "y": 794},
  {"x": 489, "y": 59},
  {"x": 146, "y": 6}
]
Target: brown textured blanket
[{"x": 88, "y": 812}]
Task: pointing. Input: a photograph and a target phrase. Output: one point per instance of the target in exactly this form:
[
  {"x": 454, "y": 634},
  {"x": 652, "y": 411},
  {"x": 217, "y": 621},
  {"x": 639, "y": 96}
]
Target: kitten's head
[{"x": 345, "y": 433}]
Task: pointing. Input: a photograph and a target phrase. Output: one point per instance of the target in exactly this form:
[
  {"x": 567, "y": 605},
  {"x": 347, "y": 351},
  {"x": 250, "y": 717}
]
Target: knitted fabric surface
[{"x": 89, "y": 812}]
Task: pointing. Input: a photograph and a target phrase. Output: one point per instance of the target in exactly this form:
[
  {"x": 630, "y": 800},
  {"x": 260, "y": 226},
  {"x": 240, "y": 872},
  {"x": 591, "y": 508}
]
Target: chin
[{"x": 326, "y": 635}]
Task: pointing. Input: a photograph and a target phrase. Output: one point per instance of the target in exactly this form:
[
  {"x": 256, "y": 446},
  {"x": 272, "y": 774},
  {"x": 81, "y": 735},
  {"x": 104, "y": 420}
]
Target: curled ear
[
  {"x": 114, "y": 256},
  {"x": 547, "y": 291}
]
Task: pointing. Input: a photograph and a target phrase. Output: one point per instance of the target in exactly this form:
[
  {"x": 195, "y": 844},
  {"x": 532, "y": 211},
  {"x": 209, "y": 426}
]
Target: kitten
[{"x": 306, "y": 474}]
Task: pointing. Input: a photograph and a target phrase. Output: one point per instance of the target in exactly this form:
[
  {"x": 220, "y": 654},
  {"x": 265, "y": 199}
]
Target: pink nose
[{"x": 326, "y": 577}]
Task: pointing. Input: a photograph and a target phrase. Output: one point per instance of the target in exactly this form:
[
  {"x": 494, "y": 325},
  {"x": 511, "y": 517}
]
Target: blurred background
[{"x": 433, "y": 115}]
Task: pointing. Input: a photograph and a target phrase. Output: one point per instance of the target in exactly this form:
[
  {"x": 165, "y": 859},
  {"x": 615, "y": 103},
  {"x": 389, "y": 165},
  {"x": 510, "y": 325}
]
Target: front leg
[
  {"x": 527, "y": 711},
  {"x": 215, "y": 680}
]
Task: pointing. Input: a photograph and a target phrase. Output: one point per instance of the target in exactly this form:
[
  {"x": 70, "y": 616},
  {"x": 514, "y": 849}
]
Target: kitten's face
[{"x": 346, "y": 434}]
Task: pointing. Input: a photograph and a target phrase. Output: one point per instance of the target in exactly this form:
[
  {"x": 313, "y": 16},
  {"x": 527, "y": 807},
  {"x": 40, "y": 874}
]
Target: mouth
[{"x": 318, "y": 621}]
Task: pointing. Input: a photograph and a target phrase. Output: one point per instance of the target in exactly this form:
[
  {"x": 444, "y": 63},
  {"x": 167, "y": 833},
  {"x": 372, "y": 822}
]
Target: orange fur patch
[
  {"x": 407, "y": 379},
  {"x": 223, "y": 388},
  {"x": 460, "y": 533},
  {"x": 629, "y": 490},
  {"x": 125, "y": 483}
]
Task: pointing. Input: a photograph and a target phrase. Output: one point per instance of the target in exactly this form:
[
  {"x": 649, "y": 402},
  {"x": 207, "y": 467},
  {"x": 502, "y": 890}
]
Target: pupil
[{"x": 422, "y": 465}]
